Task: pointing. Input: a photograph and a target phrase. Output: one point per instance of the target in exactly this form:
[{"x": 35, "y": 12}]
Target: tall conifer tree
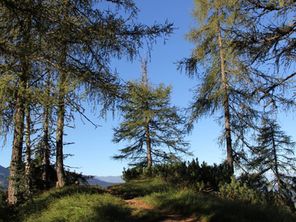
[
  {"x": 275, "y": 157},
  {"x": 77, "y": 46},
  {"x": 150, "y": 124},
  {"x": 222, "y": 71}
]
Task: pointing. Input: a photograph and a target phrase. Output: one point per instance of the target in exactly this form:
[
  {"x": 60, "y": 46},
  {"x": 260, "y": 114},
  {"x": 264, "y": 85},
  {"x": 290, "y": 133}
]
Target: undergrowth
[
  {"x": 138, "y": 188},
  {"x": 209, "y": 208}
]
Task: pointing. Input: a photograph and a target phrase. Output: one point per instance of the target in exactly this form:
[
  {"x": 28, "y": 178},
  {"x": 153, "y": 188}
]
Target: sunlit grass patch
[{"x": 83, "y": 207}]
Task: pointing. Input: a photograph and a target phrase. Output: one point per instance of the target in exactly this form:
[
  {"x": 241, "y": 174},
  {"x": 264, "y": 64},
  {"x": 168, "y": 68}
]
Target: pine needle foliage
[
  {"x": 73, "y": 42},
  {"x": 275, "y": 158},
  {"x": 224, "y": 79},
  {"x": 266, "y": 39},
  {"x": 151, "y": 125}
]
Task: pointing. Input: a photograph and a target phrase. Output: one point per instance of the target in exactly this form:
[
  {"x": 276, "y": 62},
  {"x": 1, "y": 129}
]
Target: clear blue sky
[{"x": 93, "y": 148}]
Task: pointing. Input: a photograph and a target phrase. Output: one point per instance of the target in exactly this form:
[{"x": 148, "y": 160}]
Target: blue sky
[{"x": 93, "y": 148}]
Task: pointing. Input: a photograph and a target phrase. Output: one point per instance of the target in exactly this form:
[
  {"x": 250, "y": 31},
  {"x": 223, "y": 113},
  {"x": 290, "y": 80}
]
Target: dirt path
[
  {"x": 141, "y": 206},
  {"x": 138, "y": 204}
]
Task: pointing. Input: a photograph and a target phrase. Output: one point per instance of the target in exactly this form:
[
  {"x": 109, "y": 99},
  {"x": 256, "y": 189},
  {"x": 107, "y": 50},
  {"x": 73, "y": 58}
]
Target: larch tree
[
  {"x": 88, "y": 38},
  {"x": 274, "y": 157},
  {"x": 223, "y": 76},
  {"x": 74, "y": 39},
  {"x": 150, "y": 124},
  {"x": 16, "y": 53},
  {"x": 266, "y": 39}
]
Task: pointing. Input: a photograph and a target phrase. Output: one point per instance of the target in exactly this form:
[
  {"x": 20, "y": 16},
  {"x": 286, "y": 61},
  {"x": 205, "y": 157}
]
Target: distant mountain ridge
[
  {"x": 4, "y": 174},
  {"x": 104, "y": 181},
  {"x": 111, "y": 179}
]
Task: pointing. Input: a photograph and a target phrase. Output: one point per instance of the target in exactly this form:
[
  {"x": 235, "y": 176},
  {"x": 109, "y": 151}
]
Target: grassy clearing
[
  {"x": 212, "y": 209},
  {"x": 74, "y": 204},
  {"x": 43, "y": 200},
  {"x": 83, "y": 207},
  {"x": 139, "y": 188}
]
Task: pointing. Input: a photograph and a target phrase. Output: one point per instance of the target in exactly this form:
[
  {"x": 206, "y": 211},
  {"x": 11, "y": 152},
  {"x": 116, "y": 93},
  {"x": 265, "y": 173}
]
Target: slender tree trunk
[
  {"x": 17, "y": 147},
  {"x": 225, "y": 102},
  {"x": 147, "y": 128},
  {"x": 149, "y": 150},
  {"x": 16, "y": 164},
  {"x": 46, "y": 149},
  {"x": 28, "y": 166},
  {"x": 46, "y": 138},
  {"x": 276, "y": 169},
  {"x": 60, "y": 132}
]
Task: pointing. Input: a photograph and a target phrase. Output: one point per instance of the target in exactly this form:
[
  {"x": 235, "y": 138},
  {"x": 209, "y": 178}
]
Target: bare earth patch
[{"x": 140, "y": 205}]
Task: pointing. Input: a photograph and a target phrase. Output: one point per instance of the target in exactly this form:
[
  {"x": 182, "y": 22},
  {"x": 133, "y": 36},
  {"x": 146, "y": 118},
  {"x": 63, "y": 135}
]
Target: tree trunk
[
  {"x": 16, "y": 168},
  {"x": 225, "y": 103},
  {"x": 46, "y": 149},
  {"x": 60, "y": 132},
  {"x": 28, "y": 167},
  {"x": 276, "y": 169},
  {"x": 46, "y": 137},
  {"x": 16, "y": 164},
  {"x": 149, "y": 150}
]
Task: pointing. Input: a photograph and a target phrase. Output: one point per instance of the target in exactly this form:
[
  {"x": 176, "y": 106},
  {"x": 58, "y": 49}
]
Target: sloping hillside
[{"x": 144, "y": 200}]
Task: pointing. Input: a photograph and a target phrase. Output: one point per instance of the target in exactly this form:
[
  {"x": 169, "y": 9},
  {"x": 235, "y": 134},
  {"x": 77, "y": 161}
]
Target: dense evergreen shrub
[
  {"x": 184, "y": 173},
  {"x": 3, "y": 207},
  {"x": 236, "y": 190}
]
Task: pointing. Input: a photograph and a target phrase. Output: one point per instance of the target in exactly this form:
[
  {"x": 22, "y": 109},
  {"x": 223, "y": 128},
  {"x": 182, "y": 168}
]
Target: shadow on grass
[
  {"x": 110, "y": 212},
  {"x": 114, "y": 213},
  {"x": 212, "y": 209}
]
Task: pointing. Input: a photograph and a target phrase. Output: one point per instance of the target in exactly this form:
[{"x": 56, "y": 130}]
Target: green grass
[
  {"x": 212, "y": 209},
  {"x": 75, "y": 204},
  {"x": 94, "y": 204},
  {"x": 42, "y": 201},
  {"x": 83, "y": 207},
  {"x": 139, "y": 188}
]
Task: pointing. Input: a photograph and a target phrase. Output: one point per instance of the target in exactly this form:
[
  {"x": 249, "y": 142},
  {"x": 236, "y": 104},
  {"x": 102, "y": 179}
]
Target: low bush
[
  {"x": 139, "y": 188},
  {"x": 235, "y": 190},
  {"x": 2, "y": 206}
]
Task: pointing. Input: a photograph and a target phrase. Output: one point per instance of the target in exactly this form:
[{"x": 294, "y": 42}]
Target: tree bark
[
  {"x": 28, "y": 166},
  {"x": 46, "y": 138},
  {"x": 61, "y": 180},
  {"x": 17, "y": 147},
  {"x": 227, "y": 115},
  {"x": 149, "y": 150}
]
